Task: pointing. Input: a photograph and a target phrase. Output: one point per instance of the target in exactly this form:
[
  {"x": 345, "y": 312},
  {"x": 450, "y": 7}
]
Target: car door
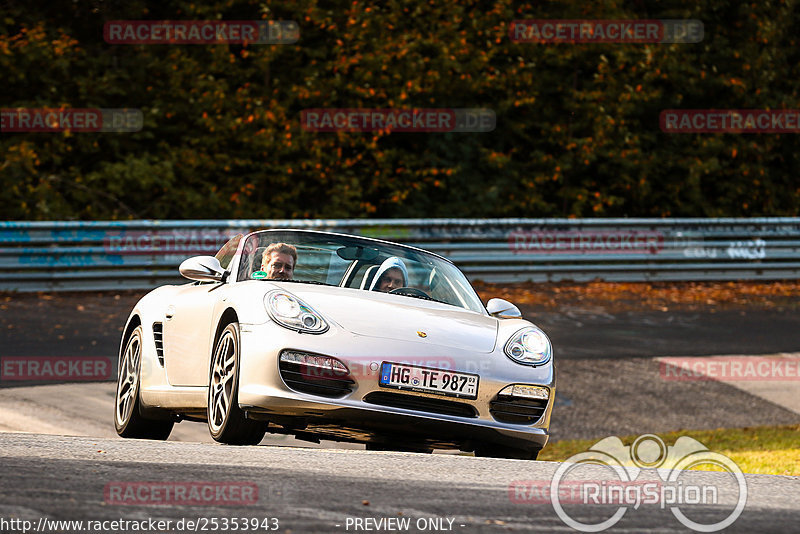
[
  {"x": 189, "y": 326},
  {"x": 188, "y": 334}
]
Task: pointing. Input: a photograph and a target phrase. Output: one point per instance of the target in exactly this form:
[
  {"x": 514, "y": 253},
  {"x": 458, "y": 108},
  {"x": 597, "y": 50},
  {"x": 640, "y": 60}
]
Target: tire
[
  {"x": 128, "y": 419},
  {"x": 498, "y": 451},
  {"x": 226, "y": 421}
]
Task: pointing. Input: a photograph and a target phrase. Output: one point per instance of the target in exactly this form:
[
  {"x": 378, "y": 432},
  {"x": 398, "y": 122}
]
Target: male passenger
[{"x": 279, "y": 260}]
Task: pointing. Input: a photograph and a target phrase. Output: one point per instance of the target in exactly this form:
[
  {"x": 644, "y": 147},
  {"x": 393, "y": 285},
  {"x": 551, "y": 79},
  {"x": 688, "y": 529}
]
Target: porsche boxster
[{"x": 327, "y": 336}]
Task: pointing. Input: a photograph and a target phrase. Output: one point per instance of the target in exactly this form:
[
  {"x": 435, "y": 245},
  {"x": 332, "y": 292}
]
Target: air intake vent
[
  {"x": 325, "y": 382},
  {"x": 158, "y": 335},
  {"x": 421, "y": 404},
  {"x": 517, "y": 411}
]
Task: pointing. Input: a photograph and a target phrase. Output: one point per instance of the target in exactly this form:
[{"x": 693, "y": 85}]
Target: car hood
[{"x": 401, "y": 318}]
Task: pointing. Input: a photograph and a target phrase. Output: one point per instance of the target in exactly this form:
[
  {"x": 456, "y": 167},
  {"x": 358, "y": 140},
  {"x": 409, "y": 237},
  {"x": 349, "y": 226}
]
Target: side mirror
[
  {"x": 202, "y": 269},
  {"x": 502, "y": 309}
]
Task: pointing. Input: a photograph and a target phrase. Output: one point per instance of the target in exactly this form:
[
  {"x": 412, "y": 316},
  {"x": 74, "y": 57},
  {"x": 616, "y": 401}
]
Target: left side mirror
[
  {"x": 503, "y": 309},
  {"x": 202, "y": 269}
]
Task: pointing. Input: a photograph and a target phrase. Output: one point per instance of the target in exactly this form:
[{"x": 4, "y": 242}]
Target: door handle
[{"x": 170, "y": 312}]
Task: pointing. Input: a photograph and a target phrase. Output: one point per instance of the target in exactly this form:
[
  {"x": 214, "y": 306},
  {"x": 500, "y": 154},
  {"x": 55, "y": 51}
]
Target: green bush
[{"x": 577, "y": 124}]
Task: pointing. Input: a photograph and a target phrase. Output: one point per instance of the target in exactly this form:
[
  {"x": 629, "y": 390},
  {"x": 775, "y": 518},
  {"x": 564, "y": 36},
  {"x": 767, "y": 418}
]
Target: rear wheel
[
  {"x": 226, "y": 421},
  {"x": 499, "y": 451},
  {"x": 128, "y": 419}
]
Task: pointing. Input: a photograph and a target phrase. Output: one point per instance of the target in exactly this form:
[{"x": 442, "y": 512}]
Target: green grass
[{"x": 769, "y": 450}]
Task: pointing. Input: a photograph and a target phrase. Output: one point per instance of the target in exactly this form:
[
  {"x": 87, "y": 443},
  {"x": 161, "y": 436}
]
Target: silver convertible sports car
[{"x": 334, "y": 337}]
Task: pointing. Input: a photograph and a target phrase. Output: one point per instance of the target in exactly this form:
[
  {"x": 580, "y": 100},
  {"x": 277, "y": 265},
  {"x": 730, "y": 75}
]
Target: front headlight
[
  {"x": 294, "y": 314},
  {"x": 529, "y": 346}
]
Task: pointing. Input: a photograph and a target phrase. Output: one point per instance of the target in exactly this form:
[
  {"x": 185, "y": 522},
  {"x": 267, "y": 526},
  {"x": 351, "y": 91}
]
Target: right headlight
[
  {"x": 529, "y": 346},
  {"x": 294, "y": 314}
]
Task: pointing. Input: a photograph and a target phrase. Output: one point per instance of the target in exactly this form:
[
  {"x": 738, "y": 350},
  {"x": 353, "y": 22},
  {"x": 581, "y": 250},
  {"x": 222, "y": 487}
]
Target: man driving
[
  {"x": 279, "y": 260},
  {"x": 391, "y": 275}
]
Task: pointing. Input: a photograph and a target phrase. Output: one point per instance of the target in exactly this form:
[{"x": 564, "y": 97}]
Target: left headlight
[
  {"x": 529, "y": 346},
  {"x": 294, "y": 314}
]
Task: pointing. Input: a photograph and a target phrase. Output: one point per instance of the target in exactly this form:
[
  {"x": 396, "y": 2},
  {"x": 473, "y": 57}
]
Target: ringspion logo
[
  {"x": 684, "y": 497},
  {"x": 70, "y": 119},
  {"x": 586, "y": 492},
  {"x": 182, "y": 32}
]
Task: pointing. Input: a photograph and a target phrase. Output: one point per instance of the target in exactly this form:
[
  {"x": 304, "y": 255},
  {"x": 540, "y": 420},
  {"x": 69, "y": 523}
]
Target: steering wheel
[{"x": 409, "y": 291}]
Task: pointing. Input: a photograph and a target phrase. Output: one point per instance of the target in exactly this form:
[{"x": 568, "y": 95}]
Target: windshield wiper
[
  {"x": 298, "y": 281},
  {"x": 416, "y": 296}
]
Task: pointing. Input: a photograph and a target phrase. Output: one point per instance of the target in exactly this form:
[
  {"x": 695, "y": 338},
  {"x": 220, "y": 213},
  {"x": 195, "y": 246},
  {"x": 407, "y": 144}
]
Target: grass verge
[{"x": 767, "y": 450}]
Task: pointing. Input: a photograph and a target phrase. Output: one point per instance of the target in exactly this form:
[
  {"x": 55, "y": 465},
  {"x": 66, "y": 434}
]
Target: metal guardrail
[{"x": 76, "y": 256}]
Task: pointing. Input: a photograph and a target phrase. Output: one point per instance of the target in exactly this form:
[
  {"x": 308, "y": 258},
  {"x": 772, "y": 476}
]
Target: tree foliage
[{"x": 577, "y": 124}]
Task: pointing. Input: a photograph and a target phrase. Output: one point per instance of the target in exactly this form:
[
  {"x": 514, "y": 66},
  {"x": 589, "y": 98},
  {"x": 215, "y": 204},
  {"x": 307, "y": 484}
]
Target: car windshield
[{"x": 357, "y": 263}]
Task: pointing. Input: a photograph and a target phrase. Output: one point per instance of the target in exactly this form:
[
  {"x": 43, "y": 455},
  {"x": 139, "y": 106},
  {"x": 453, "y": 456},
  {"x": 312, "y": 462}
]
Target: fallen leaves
[{"x": 649, "y": 296}]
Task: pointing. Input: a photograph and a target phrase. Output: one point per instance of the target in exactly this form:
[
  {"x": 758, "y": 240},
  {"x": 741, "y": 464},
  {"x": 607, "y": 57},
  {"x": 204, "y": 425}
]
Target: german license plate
[{"x": 427, "y": 380}]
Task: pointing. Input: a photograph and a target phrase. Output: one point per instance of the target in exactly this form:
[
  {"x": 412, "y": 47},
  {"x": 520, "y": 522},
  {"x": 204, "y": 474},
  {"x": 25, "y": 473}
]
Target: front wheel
[
  {"x": 128, "y": 419},
  {"x": 226, "y": 421}
]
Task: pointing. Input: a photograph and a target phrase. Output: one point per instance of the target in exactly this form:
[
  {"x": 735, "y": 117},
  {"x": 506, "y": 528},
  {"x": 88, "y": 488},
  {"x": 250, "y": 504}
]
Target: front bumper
[{"x": 264, "y": 395}]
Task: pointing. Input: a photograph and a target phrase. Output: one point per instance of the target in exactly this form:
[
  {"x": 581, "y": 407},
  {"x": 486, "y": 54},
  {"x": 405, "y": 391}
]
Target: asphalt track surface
[
  {"x": 318, "y": 490},
  {"x": 608, "y": 385}
]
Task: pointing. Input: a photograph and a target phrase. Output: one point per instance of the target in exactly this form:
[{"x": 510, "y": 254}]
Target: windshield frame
[{"x": 235, "y": 267}]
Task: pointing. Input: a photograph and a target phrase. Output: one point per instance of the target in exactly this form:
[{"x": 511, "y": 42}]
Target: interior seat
[{"x": 368, "y": 275}]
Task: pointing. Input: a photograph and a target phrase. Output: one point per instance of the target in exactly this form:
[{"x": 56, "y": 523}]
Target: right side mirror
[
  {"x": 202, "y": 269},
  {"x": 502, "y": 309}
]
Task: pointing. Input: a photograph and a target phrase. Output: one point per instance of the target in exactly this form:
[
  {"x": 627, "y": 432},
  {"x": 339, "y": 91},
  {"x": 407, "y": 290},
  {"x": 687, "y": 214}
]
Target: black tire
[
  {"x": 226, "y": 421},
  {"x": 128, "y": 419},
  {"x": 499, "y": 451}
]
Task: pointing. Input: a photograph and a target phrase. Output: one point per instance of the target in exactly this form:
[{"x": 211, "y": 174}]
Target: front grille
[
  {"x": 508, "y": 409},
  {"x": 158, "y": 336},
  {"x": 421, "y": 404},
  {"x": 316, "y": 381}
]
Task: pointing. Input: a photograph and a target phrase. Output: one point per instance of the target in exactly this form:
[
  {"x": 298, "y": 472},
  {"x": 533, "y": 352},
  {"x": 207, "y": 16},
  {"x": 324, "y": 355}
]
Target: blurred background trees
[{"x": 577, "y": 124}]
